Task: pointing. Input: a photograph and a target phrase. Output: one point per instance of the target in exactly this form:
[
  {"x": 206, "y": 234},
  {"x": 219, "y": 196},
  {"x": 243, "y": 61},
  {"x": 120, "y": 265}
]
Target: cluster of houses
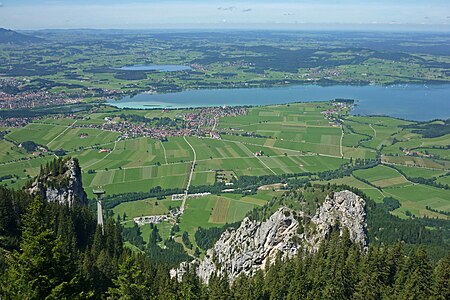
[
  {"x": 150, "y": 219},
  {"x": 29, "y": 98},
  {"x": 417, "y": 153},
  {"x": 259, "y": 153},
  {"x": 315, "y": 74},
  {"x": 209, "y": 116},
  {"x": 157, "y": 219},
  {"x": 23, "y": 121},
  {"x": 40, "y": 150},
  {"x": 36, "y": 99},
  {"x": 176, "y": 197},
  {"x": 194, "y": 123},
  {"x": 14, "y": 122},
  {"x": 330, "y": 114}
]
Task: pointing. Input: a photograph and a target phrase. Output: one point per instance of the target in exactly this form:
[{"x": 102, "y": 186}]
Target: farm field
[
  {"x": 41, "y": 134},
  {"x": 372, "y": 192},
  {"x": 421, "y": 162},
  {"x": 421, "y": 172},
  {"x": 278, "y": 140},
  {"x": 444, "y": 180},
  {"x": 214, "y": 211},
  {"x": 414, "y": 199},
  {"x": 8, "y": 152},
  {"x": 382, "y": 176},
  {"x": 145, "y": 207}
]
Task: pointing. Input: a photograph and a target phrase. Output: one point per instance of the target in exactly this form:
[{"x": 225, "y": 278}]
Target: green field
[
  {"x": 145, "y": 207},
  {"x": 421, "y": 172},
  {"x": 372, "y": 192},
  {"x": 414, "y": 199},
  {"x": 382, "y": 176},
  {"x": 217, "y": 210},
  {"x": 292, "y": 139},
  {"x": 41, "y": 134}
]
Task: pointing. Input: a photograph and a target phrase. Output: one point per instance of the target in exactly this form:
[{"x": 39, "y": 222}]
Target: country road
[{"x": 183, "y": 205}]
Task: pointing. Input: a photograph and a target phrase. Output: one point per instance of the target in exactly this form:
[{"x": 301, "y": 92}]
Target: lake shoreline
[{"x": 419, "y": 102}]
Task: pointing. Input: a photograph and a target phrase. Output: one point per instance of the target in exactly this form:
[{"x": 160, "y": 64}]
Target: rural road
[
  {"x": 64, "y": 131},
  {"x": 190, "y": 176}
]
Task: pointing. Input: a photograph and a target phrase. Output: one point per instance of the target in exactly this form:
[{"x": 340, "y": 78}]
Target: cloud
[
  {"x": 202, "y": 14},
  {"x": 230, "y": 8},
  {"x": 1, "y": 4}
]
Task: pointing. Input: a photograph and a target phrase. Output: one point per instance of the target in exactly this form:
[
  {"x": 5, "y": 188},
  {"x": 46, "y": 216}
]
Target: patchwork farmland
[{"x": 294, "y": 139}]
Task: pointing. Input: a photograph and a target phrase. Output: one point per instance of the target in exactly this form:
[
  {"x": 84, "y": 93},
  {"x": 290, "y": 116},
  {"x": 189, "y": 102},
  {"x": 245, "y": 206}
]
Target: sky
[{"x": 264, "y": 14}]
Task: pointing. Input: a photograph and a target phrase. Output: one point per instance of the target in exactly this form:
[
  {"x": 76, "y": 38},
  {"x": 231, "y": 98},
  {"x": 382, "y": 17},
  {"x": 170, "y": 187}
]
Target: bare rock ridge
[
  {"x": 60, "y": 182},
  {"x": 253, "y": 244}
]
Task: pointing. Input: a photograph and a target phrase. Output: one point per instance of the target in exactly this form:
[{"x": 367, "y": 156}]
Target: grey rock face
[
  {"x": 64, "y": 193},
  {"x": 345, "y": 209},
  {"x": 252, "y": 245}
]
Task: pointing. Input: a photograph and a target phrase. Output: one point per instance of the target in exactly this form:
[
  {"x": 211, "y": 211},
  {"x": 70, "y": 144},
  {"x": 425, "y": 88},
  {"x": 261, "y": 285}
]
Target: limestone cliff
[
  {"x": 252, "y": 245},
  {"x": 60, "y": 181}
]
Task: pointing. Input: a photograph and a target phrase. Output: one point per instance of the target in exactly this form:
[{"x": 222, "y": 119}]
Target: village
[
  {"x": 201, "y": 122},
  {"x": 13, "y": 96},
  {"x": 36, "y": 99},
  {"x": 339, "y": 106}
]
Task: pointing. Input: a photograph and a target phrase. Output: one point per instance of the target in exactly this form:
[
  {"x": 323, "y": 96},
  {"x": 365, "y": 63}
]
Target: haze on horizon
[{"x": 263, "y": 14}]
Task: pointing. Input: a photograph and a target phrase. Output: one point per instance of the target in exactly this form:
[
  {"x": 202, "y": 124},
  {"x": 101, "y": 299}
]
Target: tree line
[{"x": 51, "y": 251}]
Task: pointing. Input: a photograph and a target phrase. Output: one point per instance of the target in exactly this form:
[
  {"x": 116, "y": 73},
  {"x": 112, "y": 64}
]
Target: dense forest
[
  {"x": 63, "y": 255},
  {"x": 431, "y": 129},
  {"x": 53, "y": 251}
]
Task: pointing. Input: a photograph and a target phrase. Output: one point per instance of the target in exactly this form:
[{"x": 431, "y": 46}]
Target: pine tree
[
  {"x": 369, "y": 286},
  {"x": 219, "y": 288},
  {"x": 154, "y": 236},
  {"x": 298, "y": 286},
  {"x": 415, "y": 280},
  {"x": 166, "y": 288},
  {"x": 273, "y": 280},
  {"x": 257, "y": 282},
  {"x": 42, "y": 265},
  {"x": 442, "y": 275},
  {"x": 242, "y": 288},
  {"x": 131, "y": 283},
  {"x": 7, "y": 215},
  {"x": 190, "y": 286}
]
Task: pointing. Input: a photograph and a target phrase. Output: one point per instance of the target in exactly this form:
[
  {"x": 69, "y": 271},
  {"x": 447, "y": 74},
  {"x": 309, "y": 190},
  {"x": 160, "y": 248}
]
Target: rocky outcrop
[
  {"x": 254, "y": 244},
  {"x": 65, "y": 188},
  {"x": 344, "y": 210}
]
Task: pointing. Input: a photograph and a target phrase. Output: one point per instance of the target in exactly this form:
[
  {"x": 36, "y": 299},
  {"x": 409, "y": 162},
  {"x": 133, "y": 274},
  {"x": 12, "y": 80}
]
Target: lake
[
  {"x": 161, "y": 68},
  {"x": 410, "y": 101}
]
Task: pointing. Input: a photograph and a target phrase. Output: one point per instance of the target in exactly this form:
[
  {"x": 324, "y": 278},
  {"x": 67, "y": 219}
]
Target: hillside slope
[{"x": 12, "y": 37}]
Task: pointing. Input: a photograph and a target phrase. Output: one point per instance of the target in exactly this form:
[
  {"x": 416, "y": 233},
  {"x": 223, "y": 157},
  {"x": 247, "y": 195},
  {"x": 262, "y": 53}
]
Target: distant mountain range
[{"x": 13, "y": 37}]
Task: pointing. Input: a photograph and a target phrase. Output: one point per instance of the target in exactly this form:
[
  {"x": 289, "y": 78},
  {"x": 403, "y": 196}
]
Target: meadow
[{"x": 296, "y": 138}]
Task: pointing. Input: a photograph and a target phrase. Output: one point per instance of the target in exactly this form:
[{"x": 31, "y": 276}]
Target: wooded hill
[{"x": 13, "y": 37}]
